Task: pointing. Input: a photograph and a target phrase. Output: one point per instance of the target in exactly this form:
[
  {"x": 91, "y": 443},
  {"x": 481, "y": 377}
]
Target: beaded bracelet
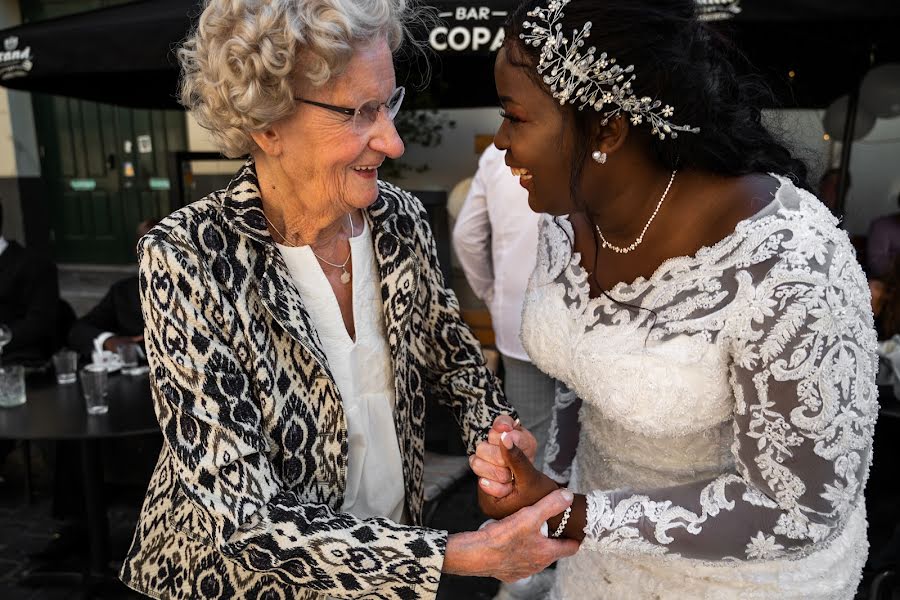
[{"x": 562, "y": 524}]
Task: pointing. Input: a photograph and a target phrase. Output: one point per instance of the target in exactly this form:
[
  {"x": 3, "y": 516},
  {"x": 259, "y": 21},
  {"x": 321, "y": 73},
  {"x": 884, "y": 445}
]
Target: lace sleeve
[
  {"x": 802, "y": 372},
  {"x": 562, "y": 437}
]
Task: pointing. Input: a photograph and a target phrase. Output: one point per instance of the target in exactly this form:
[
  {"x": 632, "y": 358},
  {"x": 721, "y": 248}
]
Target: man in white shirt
[{"x": 495, "y": 239}]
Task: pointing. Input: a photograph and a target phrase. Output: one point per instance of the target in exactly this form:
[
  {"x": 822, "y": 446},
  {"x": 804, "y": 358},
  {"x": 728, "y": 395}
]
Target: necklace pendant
[{"x": 345, "y": 277}]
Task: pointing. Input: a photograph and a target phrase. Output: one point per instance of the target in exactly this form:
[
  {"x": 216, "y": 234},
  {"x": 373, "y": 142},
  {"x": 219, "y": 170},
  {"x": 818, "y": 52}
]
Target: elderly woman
[{"x": 296, "y": 322}]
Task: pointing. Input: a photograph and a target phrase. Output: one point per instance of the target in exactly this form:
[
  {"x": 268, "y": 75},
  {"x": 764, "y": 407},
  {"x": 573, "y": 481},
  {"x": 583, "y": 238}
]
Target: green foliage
[{"x": 422, "y": 127}]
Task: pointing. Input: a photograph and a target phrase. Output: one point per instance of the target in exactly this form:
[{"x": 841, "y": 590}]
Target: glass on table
[
  {"x": 94, "y": 384},
  {"x": 5, "y": 338},
  {"x": 65, "y": 362},
  {"x": 12, "y": 386},
  {"x": 128, "y": 355}
]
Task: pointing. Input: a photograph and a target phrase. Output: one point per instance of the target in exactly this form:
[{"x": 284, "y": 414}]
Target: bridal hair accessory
[
  {"x": 584, "y": 79},
  {"x": 599, "y": 157}
]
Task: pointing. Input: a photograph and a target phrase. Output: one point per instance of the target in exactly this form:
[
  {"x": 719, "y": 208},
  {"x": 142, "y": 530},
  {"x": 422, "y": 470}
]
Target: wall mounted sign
[
  {"x": 469, "y": 28},
  {"x": 83, "y": 185},
  {"x": 159, "y": 184},
  {"x": 145, "y": 144},
  {"x": 15, "y": 61}
]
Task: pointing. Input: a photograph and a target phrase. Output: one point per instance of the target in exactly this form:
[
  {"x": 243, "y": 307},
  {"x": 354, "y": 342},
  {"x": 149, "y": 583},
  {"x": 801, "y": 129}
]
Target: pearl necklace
[
  {"x": 640, "y": 238},
  {"x": 345, "y": 274}
]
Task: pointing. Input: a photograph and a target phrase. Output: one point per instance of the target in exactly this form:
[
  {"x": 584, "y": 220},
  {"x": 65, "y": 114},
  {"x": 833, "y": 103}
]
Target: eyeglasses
[{"x": 366, "y": 114}]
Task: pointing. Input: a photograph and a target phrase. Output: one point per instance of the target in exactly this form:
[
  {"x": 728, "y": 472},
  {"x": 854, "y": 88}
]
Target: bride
[{"x": 704, "y": 308}]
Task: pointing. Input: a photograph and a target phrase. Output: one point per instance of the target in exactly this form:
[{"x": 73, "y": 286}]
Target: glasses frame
[{"x": 354, "y": 113}]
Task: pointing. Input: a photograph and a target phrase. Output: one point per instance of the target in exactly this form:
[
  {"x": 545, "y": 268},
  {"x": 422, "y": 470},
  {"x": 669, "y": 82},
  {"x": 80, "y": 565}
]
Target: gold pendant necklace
[{"x": 345, "y": 274}]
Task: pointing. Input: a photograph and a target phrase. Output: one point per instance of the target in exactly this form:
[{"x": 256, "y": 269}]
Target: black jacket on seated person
[
  {"x": 118, "y": 313},
  {"x": 29, "y": 305}
]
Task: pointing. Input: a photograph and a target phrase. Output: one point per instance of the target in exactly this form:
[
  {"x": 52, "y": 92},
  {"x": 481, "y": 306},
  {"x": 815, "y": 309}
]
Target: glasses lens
[
  {"x": 394, "y": 102},
  {"x": 366, "y": 115}
]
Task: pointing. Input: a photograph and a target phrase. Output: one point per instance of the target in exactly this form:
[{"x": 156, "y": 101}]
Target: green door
[
  {"x": 104, "y": 167},
  {"x": 105, "y": 170}
]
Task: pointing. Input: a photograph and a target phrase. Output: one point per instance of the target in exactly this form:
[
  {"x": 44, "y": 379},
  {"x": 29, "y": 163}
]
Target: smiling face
[
  {"x": 538, "y": 144},
  {"x": 326, "y": 158}
]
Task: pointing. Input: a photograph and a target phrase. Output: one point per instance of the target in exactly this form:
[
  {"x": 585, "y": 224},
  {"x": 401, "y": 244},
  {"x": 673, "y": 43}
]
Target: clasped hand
[
  {"x": 511, "y": 547},
  {"x": 507, "y": 478}
]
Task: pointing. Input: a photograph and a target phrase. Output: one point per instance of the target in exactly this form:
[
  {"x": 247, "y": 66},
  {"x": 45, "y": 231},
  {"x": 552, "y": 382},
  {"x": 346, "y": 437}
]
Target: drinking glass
[
  {"x": 93, "y": 384},
  {"x": 66, "y": 364},
  {"x": 12, "y": 386},
  {"x": 128, "y": 354}
]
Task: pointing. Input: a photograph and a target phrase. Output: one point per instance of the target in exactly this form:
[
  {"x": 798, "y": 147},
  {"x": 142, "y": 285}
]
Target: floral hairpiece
[{"x": 590, "y": 81}]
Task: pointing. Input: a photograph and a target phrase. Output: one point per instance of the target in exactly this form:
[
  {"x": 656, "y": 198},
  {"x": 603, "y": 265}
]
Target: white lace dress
[{"x": 723, "y": 439}]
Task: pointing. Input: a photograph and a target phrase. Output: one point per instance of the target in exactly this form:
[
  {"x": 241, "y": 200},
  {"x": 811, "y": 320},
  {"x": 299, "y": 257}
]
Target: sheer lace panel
[{"x": 562, "y": 436}]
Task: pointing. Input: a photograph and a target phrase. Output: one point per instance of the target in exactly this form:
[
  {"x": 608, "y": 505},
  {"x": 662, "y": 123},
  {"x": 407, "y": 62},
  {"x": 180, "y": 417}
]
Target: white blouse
[{"x": 363, "y": 373}]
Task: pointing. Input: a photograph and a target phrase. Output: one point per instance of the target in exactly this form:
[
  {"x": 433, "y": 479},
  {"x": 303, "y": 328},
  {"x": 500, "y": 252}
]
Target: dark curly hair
[{"x": 680, "y": 61}]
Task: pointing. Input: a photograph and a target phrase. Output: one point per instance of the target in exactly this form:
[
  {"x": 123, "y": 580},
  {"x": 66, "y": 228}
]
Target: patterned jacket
[{"x": 245, "y": 497}]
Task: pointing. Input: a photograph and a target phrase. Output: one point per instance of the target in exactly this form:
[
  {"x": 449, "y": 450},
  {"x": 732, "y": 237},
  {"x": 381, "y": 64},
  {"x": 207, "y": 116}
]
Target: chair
[{"x": 443, "y": 474}]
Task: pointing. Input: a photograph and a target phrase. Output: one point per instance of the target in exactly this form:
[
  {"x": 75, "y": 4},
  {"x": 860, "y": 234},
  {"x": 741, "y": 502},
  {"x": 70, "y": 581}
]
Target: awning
[
  {"x": 120, "y": 55},
  {"x": 124, "y": 54}
]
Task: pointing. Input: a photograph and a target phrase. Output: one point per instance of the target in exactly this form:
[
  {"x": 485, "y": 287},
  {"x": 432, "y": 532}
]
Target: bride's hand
[
  {"x": 526, "y": 487},
  {"x": 488, "y": 462}
]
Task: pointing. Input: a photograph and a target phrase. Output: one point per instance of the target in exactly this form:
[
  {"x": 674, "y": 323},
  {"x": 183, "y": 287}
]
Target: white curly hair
[{"x": 238, "y": 65}]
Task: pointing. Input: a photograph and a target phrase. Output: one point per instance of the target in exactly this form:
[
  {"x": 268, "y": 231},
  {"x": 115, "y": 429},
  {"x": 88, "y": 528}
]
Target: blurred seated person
[
  {"x": 883, "y": 245},
  {"x": 886, "y": 301},
  {"x": 117, "y": 319},
  {"x": 29, "y": 303},
  {"x": 829, "y": 189}
]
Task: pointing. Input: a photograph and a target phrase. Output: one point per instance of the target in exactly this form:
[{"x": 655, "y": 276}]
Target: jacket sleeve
[
  {"x": 456, "y": 371},
  {"x": 214, "y": 427}
]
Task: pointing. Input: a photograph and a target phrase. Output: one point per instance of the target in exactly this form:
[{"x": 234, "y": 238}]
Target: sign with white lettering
[
  {"x": 469, "y": 28},
  {"x": 14, "y": 61},
  {"x": 145, "y": 144}
]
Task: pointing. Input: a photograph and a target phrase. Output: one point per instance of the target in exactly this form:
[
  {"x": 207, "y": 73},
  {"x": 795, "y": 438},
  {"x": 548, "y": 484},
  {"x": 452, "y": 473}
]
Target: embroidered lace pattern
[{"x": 726, "y": 428}]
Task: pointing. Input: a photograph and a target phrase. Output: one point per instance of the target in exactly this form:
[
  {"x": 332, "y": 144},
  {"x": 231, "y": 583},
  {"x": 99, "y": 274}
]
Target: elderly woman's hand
[
  {"x": 514, "y": 547},
  {"x": 488, "y": 462}
]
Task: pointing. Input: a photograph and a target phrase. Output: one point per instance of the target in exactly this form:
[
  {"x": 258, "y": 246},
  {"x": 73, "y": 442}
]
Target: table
[{"x": 57, "y": 412}]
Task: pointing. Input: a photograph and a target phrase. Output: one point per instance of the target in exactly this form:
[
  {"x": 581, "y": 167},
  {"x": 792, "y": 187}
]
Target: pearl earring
[{"x": 599, "y": 157}]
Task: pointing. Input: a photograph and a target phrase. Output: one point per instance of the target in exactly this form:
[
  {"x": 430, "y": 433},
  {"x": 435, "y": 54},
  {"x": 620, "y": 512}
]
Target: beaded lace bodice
[{"x": 731, "y": 418}]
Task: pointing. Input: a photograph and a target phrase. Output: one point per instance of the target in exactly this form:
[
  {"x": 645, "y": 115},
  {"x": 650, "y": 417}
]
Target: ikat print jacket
[{"x": 245, "y": 499}]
